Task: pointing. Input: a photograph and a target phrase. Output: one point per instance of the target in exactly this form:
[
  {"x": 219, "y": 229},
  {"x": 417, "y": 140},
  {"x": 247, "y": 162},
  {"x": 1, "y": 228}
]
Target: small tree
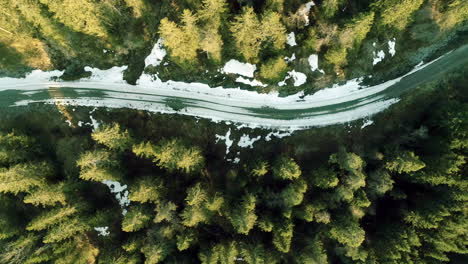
[
  {"x": 286, "y": 168},
  {"x": 47, "y": 196},
  {"x": 135, "y": 219},
  {"x": 242, "y": 216},
  {"x": 282, "y": 235},
  {"x": 98, "y": 165},
  {"x": 24, "y": 177},
  {"x": 273, "y": 70}
]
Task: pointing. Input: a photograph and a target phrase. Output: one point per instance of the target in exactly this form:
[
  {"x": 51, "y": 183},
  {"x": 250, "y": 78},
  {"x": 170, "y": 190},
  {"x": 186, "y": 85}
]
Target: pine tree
[
  {"x": 273, "y": 30},
  {"x": 15, "y": 148},
  {"x": 212, "y": 15},
  {"x": 186, "y": 239},
  {"x": 282, "y": 235},
  {"x": 324, "y": 178},
  {"x": 223, "y": 253},
  {"x": 405, "y": 162},
  {"x": 347, "y": 231},
  {"x": 136, "y": 219},
  {"x": 165, "y": 211},
  {"x": 76, "y": 250},
  {"x": 98, "y": 165},
  {"x": 113, "y": 137},
  {"x": 242, "y": 216},
  {"x": 49, "y": 195},
  {"x": 24, "y": 177},
  {"x": 286, "y": 168},
  {"x": 247, "y": 33},
  {"x": 66, "y": 229},
  {"x": 147, "y": 189},
  {"x": 397, "y": 13},
  {"x": 50, "y": 218}
]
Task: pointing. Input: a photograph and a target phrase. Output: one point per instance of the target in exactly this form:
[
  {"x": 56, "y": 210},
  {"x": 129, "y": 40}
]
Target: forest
[
  {"x": 145, "y": 188},
  {"x": 202, "y": 35}
]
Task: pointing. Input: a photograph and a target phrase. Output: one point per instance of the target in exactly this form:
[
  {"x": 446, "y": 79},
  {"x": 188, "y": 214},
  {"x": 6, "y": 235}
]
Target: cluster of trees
[
  {"x": 400, "y": 201},
  {"x": 202, "y": 35}
]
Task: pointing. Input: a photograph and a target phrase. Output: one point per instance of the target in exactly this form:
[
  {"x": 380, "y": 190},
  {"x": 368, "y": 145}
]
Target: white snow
[
  {"x": 236, "y": 160},
  {"x": 304, "y": 11},
  {"x": 121, "y": 193},
  {"x": 245, "y": 141},
  {"x": 254, "y": 82},
  {"x": 68, "y": 122},
  {"x": 367, "y": 123},
  {"x": 391, "y": 47},
  {"x": 226, "y": 139},
  {"x": 237, "y": 67},
  {"x": 113, "y": 75},
  {"x": 298, "y": 77},
  {"x": 104, "y": 51},
  {"x": 313, "y": 62},
  {"x": 277, "y": 134},
  {"x": 102, "y": 231},
  {"x": 290, "y": 59},
  {"x": 378, "y": 57},
  {"x": 291, "y": 39},
  {"x": 157, "y": 54},
  {"x": 94, "y": 123}
]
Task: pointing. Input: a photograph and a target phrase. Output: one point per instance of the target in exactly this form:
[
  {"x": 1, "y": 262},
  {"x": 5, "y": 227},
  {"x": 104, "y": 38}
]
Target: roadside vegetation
[
  {"x": 201, "y": 36},
  {"x": 153, "y": 188}
]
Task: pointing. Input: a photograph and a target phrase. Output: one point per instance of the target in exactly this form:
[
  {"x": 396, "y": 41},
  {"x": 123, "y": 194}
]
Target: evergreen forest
[{"x": 145, "y": 188}]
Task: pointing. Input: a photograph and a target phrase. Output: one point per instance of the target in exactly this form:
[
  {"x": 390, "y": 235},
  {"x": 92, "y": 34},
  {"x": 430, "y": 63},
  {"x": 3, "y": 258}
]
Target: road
[{"x": 339, "y": 104}]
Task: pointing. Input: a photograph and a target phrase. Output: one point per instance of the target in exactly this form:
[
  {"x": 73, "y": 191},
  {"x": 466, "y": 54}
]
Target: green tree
[
  {"x": 113, "y": 137},
  {"x": 324, "y": 178},
  {"x": 282, "y": 235},
  {"x": 224, "y": 253},
  {"x": 405, "y": 162},
  {"x": 50, "y": 218},
  {"x": 347, "y": 231},
  {"x": 273, "y": 70},
  {"x": 24, "y": 177},
  {"x": 147, "y": 189},
  {"x": 397, "y": 13},
  {"x": 182, "y": 41},
  {"x": 165, "y": 211},
  {"x": 49, "y": 195},
  {"x": 15, "y": 148},
  {"x": 242, "y": 216},
  {"x": 99, "y": 165},
  {"x": 286, "y": 168},
  {"x": 64, "y": 230},
  {"x": 135, "y": 219}
]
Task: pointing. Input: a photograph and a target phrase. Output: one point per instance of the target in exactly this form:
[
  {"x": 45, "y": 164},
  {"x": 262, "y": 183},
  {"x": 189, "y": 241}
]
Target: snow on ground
[
  {"x": 254, "y": 82},
  {"x": 114, "y": 74},
  {"x": 290, "y": 59},
  {"x": 298, "y": 77},
  {"x": 378, "y": 57},
  {"x": 367, "y": 123},
  {"x": 94, "y": 123},
  {"x": 313, "y": 62},
  {"x": 245, "y": 141},
  {"x": 237, "y": 67},
  {"x": 304, "y": 11},
  {"x": 277, "y": 134},
  {"x": 121, "y": 193},
  {"x": 291, "y": 39},
  {"x": 157, "y": 54},
  {"x": 226, "y": 140},
  {"x": 391, "y": 47},
  {"x": 102, "y": 231}
]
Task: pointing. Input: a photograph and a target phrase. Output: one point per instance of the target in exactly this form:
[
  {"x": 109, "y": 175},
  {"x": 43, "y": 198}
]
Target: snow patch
[
  {"x": 290, "y": 59},
  {"x": 278, "y": 134},
  {"x": 237, "y": 67},
  {"x": 367, "y": 123},
  {"x": 391, "y": 47},
  {"x": 121, "y": 193},
  {"x": 378, "y": 57},
  {"x": 245, "y": 141},
  {"x": 114, "y": 74},
  {"x": 94, "y": 123},
  {"x": 241, "y": 79},
  {"x": 313, "y": 62},
  {"x": 157, "y": 54},
  {"x": 291, "y": 39},
  {"x": 298, "y": 77},
  {"x": 226, "y": 139},
  {"x": 305, "y": 10},
  {"x": 102, "y": 231}
]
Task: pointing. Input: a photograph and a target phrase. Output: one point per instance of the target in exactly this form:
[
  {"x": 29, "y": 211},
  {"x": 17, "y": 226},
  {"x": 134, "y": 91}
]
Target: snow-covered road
[{"x": 339, "y": 104}]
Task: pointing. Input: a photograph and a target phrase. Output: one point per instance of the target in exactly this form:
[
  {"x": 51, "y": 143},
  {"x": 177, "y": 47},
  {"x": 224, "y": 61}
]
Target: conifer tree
[
  {"x": 165, "y": 211},
  {"x": 242, "y": 216},
  {"x": 15, "y": 148},
  {"x": 23, "y": 177},
  {"x": 135, "y": 219},
  {"x": 49, "y": 195},
  {"x": 397, "y": 13},
  {"x": 286, "y": 168},
  {"x": 147, "y": 189},
  {"x": 186, "y": 239},
  {"x": 66, "y": 229},
  {"x": 282, "y": 235},
  {"x": 50, "y": 218},
  {"x": 98, "y": 165},
  {"x": 405, "y": 162},
  {"x": 113, "y": 137}
]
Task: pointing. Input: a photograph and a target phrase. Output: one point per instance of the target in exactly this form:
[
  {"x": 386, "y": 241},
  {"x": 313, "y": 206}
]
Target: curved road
[{"x": 339, "y": 104}]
